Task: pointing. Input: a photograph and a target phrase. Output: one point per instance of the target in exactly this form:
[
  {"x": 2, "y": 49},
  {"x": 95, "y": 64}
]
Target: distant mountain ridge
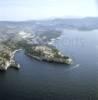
[{"x": 88, "y": 23}]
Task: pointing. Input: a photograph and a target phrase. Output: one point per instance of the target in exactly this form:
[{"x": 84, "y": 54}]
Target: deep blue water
[{"x": 46, "y": 81}]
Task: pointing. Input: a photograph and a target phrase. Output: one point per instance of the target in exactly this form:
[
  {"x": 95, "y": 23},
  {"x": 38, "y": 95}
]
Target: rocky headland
[
  {"x": 48, "y": 54},
  {"x": 7, "y": 59}
]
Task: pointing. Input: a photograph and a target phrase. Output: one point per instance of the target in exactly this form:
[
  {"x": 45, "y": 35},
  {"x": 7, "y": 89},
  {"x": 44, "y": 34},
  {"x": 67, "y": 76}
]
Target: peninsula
[
  {"x": 33, "y": 46},
  {"x": 40, "y": 52},
  {"x": 49, "y": 54}
]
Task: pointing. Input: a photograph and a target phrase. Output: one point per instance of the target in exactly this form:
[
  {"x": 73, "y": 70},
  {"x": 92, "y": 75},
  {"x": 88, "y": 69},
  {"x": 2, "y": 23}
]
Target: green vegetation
[
  {"x": 50, "y": 54},
  {"x": 4, "y": 55}
]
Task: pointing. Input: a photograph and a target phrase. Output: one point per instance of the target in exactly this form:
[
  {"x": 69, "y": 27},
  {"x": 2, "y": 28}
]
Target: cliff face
[{"x": 49, "y": 54}]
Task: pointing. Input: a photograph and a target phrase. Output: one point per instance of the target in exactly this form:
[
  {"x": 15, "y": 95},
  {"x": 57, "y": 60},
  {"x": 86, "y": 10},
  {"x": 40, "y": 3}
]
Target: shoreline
[
  {"x": 55, "y": 60},
  {"x": 11, "y": 63}
]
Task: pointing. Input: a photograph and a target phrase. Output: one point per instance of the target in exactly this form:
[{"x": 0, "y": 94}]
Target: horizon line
[{"x": 50, "y": 18}]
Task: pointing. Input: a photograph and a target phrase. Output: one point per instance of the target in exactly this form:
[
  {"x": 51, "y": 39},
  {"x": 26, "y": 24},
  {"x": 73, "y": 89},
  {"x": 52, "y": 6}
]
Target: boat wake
[{"x": 74, "y": 67}]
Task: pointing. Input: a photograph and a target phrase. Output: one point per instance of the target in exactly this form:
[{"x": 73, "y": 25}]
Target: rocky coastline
[
  {"x": 48, "y": 54},
  {"x": 10, "y": 62},
  {"x": 39, "y": 52}
]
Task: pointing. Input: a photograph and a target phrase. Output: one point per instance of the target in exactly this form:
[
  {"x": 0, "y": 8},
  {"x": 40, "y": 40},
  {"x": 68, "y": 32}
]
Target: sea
[{"x": 37, "y": 80}]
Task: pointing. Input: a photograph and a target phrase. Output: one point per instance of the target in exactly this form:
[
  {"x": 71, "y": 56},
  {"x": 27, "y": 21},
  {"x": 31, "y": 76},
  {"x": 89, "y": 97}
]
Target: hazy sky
[{"x": 40, "y": 9}]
